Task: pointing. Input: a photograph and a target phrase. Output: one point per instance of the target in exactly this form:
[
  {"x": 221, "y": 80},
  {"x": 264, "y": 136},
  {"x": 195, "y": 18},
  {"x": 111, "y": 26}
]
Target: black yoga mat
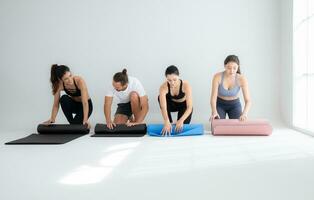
[
  {"x": 121, "y": 130},
  {"x": 62, "y": 129},
  {"x": 53, "y": 134}
]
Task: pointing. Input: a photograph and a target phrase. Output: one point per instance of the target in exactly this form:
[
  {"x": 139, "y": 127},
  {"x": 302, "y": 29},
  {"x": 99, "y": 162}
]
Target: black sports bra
[
  {"x": 72, "y": 92},
  {"x": 180, "y": 95}
]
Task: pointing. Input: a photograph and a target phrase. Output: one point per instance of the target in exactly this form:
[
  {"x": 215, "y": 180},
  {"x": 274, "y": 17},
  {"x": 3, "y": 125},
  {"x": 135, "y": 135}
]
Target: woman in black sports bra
[
  {"x": 175, "y": 95},
  {"x": 75, "y": 101}
]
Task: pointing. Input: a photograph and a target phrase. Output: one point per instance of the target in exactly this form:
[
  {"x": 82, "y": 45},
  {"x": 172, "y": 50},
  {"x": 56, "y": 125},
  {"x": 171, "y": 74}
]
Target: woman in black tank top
[
  {"x": 75, "y": 101},
  {"x": 175, "y": 95}
]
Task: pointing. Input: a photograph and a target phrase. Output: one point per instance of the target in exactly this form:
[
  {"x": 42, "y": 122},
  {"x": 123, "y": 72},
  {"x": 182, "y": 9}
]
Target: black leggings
[
  {"x": 69, "y": 106},
  {"x": 177, "y": 107}
]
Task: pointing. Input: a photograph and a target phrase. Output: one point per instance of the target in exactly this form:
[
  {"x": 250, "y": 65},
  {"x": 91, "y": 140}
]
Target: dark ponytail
[
  {"x": 233, "y": 58},
  {"x": 56, "y": 73},
  {"x": 172, "y": 70},
  {"x": 121, "y": 77}
]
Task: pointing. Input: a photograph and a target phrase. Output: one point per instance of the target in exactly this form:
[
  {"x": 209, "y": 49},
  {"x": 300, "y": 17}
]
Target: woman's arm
[
  {"x": 214, "y": 94},
  {"x": 189, "y": 102},
  {"x": 246, "y": 96},
  {"x": 163, "y": 103},
  {"x": 84, "y": 95},
  {"x": 55, "y": 106},
  {"x": 166, "y": 130}
]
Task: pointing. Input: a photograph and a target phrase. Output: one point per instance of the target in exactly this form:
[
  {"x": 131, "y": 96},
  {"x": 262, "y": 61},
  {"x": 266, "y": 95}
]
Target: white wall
[
  {"x": 96, "y": 38},
  {"x": 286, "y": 61}
]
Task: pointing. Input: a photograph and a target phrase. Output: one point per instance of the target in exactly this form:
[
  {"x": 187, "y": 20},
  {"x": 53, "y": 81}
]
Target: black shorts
[
  {"x": 124, "y": 109},
  {"x": 179, "y": 107}
]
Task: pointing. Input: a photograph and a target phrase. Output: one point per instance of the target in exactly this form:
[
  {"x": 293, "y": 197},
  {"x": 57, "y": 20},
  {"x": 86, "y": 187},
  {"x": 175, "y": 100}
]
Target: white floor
[{"x": 280, "y": 166}]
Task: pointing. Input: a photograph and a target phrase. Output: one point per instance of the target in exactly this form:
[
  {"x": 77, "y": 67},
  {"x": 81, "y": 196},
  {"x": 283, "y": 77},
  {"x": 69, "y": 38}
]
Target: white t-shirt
[{"x": 134, "y": 85}]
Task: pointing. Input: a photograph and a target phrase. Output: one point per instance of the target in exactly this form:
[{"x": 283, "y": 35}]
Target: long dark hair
[
  {"x": 233, "y": 58},
  {"x": 121, "y": 77},
  {"x": 172, "y": 70},
  {"x": 56, "y": 73}
]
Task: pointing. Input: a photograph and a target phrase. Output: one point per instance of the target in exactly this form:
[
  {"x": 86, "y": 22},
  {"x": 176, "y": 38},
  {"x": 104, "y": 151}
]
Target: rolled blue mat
[{"x": 188, "y": 130}]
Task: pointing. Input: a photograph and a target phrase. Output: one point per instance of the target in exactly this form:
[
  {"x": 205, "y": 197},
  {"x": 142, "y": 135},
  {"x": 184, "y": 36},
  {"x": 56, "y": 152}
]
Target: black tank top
[
  {"x": 72, "y": 92},
  {"x": 180, "y": 95}
]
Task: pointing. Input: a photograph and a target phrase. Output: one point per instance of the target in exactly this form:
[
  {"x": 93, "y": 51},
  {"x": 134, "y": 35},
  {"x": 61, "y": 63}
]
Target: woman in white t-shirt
[{"x": 132, "y": 101}]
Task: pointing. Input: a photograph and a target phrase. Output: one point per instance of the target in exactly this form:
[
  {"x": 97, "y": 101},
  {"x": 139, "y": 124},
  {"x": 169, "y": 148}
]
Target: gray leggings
[{"x": 232, "y": 108}]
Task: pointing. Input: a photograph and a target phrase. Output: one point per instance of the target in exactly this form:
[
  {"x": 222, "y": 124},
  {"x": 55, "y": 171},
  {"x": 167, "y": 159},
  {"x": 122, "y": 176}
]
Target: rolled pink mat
[{"x": 237, "y": 127}]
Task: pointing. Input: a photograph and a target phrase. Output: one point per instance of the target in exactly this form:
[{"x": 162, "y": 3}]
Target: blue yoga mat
[{"x": 188, "y": 130}]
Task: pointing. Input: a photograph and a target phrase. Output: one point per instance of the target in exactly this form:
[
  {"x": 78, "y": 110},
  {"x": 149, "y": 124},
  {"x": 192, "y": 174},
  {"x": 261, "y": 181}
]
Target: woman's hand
[
  {"x": 131, "y": 123},
  {"x": 87, "y": 124},
  {"x": 110, "y": 124},
  {"x": 214, "y": 115},
  {"x": 243, "y": 117},
  {"x": 179, "y": 126},
  {"x": 166, "y": 129},
  {"x": 49, "y": 121}
]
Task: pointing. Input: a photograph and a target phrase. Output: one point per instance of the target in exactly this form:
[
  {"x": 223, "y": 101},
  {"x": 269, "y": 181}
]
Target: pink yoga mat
[{"x": 237, "y": 127}]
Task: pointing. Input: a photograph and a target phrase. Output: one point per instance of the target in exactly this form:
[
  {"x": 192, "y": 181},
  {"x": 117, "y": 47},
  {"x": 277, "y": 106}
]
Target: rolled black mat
[
  {"x": 62, "y": 128},
  {"x": 53, "y": 134},
  {"x": 121, "y": 130}
]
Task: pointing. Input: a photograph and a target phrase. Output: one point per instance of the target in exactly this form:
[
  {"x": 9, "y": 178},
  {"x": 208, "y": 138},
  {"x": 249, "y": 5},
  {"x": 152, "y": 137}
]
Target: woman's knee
[
  {"x": 188, "y": 120},
  {"x": 221, "y": 112},
  {"x": 64, "y": 99},
  {"x": 235, "y": 113},
  {"x": 90, "y": 108}
]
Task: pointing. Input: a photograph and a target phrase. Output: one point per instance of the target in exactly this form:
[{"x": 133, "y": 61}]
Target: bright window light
[{"x": 303, "y": 64}]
